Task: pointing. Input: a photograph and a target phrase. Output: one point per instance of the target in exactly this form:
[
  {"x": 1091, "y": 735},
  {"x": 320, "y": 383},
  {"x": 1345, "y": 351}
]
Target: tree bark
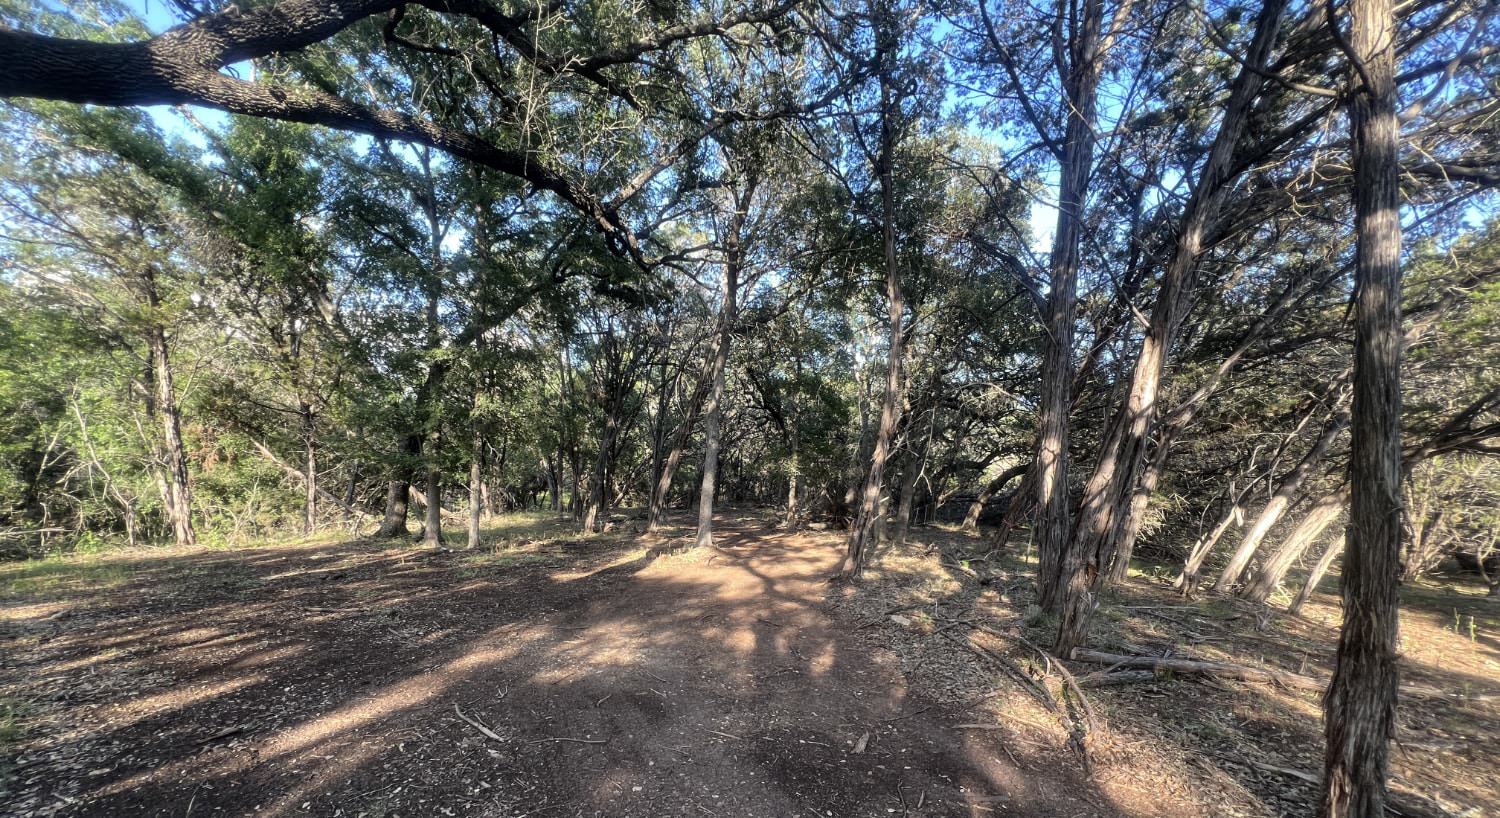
[
  {"x": 310, "y": 469},
  {"x": 1281, "y": 500},
  {"x": 476, "y": 486},
  {"x": 862, "y": 533},
  {"x": 976, "y": 508},
  {"x": 398, "y": 492},
  {"x": 713, "y": 426},
  {"x": 1360, "y": 707},
  {"x": 432, "y": 389},
  {"x": 657, "y": 503},
  {"x": 1315, "y": 576},
  {"x": 180, "y": 509},
  {"x": 1110, "y": 490},
  {"x": 1054, "y": 525},
  {"x": 1324, "y": 511}
]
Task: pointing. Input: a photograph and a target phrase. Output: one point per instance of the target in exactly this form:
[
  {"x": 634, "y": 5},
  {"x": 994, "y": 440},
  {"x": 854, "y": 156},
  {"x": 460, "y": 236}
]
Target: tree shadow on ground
[
  {"x": 600, "y": 678},
  {"x": 1255, "y": 743}
]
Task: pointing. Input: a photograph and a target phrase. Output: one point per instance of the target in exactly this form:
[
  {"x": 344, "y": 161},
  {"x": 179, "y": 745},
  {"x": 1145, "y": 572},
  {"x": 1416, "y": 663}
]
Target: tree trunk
[
  {"x": 713, "y": 426},
  {"x": 398, "y": 493},
  {"x": 1234, "y": 514},
  {"x": 862, "y": 532},
  {"x": 712, "y": 436},
  {"x": 657, "y": 503},
  {"x": 595, "y": 510},
  {"x": 1177, "y": 421},
  {"x": 1315, "y": 576},
  {"x": 432, "y": 523},
  {"x": 976, "y": 508},
  {"x": 310, "y": 470},
  {"x": 1022, "y": 505},
  {"x": 554, "y": 479},
  {"x": 916, "y": 464},
  {"x": 1054, "y": 526},
  {"x": 1281, "y": 500},
  {"x": 432, "y": 389},
  {"x": 476, "y": 487},
  {"x": 794, "y": 464},
  {"x": 179, "y": 511},
  {"x": 1110, "y": 490},
  {"x": 1323, "y": 512},
  {"x": 1360, "y": 707}
]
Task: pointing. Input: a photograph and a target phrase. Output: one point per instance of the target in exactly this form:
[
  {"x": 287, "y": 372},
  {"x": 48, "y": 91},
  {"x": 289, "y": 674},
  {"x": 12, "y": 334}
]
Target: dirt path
[{"x": 328, "y": 680}]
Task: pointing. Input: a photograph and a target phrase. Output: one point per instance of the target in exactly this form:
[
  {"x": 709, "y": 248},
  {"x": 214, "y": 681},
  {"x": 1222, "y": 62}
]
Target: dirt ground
[{"x": 553, "y": 675}]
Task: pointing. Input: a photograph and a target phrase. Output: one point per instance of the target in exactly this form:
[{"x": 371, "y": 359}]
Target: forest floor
[{"x": 549, "y": 675}]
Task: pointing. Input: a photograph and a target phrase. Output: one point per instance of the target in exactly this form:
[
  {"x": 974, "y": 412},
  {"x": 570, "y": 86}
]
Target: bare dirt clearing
[{"x": 556, "y": 676}]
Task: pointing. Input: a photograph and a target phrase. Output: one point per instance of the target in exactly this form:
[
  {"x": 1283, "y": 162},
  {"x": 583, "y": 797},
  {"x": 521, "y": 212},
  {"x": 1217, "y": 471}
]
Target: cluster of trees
[{"x": 1136, "y": 266}]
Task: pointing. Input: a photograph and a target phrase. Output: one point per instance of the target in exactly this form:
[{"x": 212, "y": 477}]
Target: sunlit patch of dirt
[{"x": 549, "y": 673}]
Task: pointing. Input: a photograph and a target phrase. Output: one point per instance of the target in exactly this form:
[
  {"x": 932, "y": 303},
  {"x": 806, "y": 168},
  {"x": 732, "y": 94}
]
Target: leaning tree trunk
[
  {"x": 1360, "y": 707},
  {"x": 1281, "y": 500},
  {"x": 1314, "y": 577},
  {"x": 1187, "y": 579},
  {"x": 1118, "y": 568},
  {"x": 1323, "y": 512},
  {"x": 1110, "y": 490},
  {"x": 976, "y": 508},
  {"x": 862, "y": 534}
]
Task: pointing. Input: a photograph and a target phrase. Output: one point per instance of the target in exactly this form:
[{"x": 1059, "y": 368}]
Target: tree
[{"x": 1360, "y": 706}]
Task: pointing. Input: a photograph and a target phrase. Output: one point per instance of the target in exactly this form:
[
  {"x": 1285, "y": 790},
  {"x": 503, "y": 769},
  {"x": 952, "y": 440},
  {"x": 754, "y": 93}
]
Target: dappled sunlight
[{"x": 609, "y": 675}]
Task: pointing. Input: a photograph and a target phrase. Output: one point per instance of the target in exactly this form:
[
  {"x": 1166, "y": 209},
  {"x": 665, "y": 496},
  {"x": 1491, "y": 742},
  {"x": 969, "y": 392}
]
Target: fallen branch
[
  {"x": 1124, "y": 677},
  {"x": 1158, "y": 663},
  {"x": 476, "y": 724}
]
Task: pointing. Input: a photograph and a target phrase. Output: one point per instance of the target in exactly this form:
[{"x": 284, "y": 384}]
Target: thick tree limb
[{"x": 182, "y": 66}]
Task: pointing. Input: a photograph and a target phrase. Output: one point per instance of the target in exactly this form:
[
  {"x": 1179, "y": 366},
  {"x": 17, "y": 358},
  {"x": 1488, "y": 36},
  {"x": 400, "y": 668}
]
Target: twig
[
  {"x": 565, "y": 738},
  {"x": 476, "y": 724}
]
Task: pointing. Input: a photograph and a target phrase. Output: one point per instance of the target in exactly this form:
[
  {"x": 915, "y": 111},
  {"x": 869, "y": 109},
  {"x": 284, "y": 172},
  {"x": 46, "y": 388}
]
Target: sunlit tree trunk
[
  {"x": 1322, "y": 513},
  {"x": 1281, "y": 500},
  {"x": 180, "y": 509},
  {"x": 1360, "y": 707},
  {"x": 1314, "y": 577},
  {"x": 432, "y": 390},
  {"x": 310, "y": 467},
  {"x": 476, "y": 486}
]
